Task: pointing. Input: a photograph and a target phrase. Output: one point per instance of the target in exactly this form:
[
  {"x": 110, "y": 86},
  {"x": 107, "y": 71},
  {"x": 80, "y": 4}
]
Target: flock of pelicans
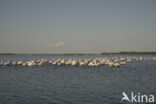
[{"x": 114, "y": 62}]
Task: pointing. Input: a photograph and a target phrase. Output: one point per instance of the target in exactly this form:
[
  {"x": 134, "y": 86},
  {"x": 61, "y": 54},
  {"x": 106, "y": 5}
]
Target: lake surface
[{"x": 50, "y": 84}]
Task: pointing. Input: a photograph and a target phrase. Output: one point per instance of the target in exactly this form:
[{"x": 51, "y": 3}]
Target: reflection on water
[{"x": 73, "y": 84}]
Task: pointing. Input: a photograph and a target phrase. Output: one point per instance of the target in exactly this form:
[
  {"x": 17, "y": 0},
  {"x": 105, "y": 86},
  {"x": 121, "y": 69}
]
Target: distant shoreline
[{"x": 104, "y": 53}]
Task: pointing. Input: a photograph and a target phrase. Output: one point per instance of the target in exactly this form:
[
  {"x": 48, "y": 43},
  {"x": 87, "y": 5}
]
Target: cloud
[
  {"x": 48, "y": 45},
  {"x": 59, "y": 44}
]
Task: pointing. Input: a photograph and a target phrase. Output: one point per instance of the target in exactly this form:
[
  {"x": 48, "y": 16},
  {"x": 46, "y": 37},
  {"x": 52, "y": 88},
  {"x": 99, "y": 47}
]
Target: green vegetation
[{"x": 7, "y": 54}]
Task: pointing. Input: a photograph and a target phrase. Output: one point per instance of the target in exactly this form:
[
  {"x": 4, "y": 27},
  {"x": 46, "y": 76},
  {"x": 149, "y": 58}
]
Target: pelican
[
  {"x": 123, "y": 63},
  {"x": 1, "y": 63},
  {"x": 129, "y": 59},
  {"x": 116, "y": 64},
  {"x": 7, "y": 63},
  {"x": 141, "y": 58},
  {"x": 14, "y": 63},
  {"x": 19, "y": 62},
  {"x": 74, "y": 62},
  {"x": 81, "y": 63},
  {"x": 24, "y": 64}
]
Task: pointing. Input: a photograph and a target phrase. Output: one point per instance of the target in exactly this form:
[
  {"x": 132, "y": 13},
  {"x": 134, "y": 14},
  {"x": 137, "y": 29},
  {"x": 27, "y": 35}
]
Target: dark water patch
[{"x": 74, "y": 84}]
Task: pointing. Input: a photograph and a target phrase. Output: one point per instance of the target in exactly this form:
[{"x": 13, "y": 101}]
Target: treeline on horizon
[
  {"x": 129, "y": 52},
  {"x": 121, "y": 52}
]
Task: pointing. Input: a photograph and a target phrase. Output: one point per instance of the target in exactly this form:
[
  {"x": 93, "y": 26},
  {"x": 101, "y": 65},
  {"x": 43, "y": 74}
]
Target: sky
[{"x": 77, "y": 26}]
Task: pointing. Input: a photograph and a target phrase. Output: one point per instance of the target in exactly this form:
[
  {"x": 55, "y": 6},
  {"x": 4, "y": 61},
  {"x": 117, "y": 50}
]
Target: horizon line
[{"x": 120, "y": 52}]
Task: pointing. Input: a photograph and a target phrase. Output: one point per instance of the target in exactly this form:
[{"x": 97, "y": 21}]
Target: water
[{"x": 74, "y": 84}]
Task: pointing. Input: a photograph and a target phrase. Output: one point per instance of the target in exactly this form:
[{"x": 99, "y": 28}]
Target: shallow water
[{"x": 74, "y": 84}]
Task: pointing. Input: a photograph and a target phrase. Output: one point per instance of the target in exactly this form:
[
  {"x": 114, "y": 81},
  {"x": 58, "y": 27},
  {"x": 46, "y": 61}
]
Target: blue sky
[{"x": 79, "y": 26}]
